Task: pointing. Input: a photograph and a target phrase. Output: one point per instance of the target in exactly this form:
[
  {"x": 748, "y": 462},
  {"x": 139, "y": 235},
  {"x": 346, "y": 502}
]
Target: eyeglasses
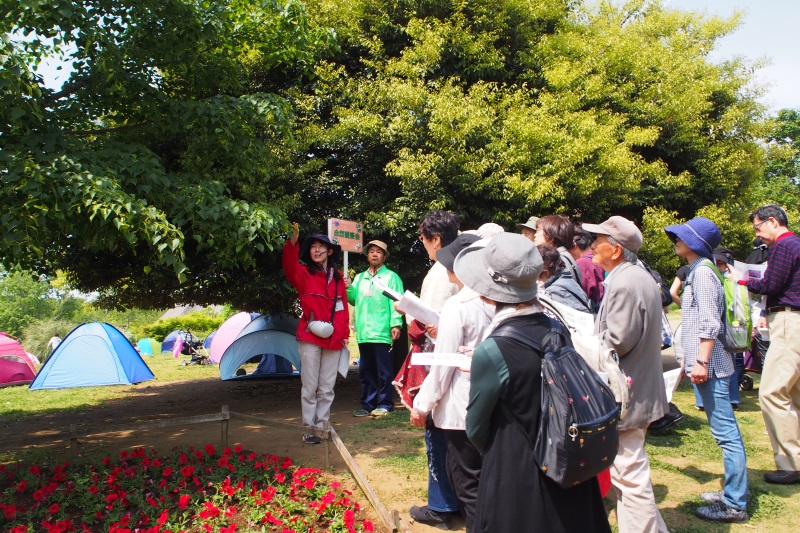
[{"x": 756, "y": 227}]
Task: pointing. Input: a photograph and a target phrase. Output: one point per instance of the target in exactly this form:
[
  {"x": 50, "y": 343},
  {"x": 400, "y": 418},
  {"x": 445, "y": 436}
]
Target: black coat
[{"x": 514, "y": 495}]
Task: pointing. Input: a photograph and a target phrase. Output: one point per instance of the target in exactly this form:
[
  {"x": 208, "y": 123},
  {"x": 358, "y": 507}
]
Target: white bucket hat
[{"x": 505, "y": 270}]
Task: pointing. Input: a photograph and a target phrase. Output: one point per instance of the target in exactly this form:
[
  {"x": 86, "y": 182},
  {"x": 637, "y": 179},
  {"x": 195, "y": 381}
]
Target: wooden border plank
[{"x": 361, "y": 479}]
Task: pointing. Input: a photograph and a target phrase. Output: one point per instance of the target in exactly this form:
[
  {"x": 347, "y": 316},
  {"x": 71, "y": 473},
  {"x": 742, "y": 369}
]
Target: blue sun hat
[{"x": 699, "y": 234}]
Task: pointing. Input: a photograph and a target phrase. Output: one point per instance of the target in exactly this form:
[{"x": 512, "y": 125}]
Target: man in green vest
[{"x": 378, "y": 324}]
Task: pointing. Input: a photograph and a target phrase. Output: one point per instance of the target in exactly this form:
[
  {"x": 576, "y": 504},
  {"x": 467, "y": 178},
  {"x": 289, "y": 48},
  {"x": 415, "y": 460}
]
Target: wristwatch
[{"x": 702, "y": 363}]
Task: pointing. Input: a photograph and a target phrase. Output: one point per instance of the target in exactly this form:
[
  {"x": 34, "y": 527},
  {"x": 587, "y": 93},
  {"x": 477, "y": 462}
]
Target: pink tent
[
  {"x": 227, "y": 333},
  {"x": 10, "y": 346},
  {"x": 14, "y": 371}
]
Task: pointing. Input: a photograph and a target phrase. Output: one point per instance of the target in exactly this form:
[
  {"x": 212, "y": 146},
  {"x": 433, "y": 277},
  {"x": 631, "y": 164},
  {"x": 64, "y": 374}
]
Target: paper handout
[
  {"x": 459, "y": 360},
  {"x": 412, "y": 305}
]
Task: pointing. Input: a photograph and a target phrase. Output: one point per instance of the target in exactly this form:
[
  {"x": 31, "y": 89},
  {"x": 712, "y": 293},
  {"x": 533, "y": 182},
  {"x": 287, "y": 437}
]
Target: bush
[
  {"x": 201, "y": 324},
  {"x": 37, "y": 334}
]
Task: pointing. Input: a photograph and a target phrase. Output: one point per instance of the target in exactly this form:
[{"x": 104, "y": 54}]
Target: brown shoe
[{"x": 782, "y": 477}]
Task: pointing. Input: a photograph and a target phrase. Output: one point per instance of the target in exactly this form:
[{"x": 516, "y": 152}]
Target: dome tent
[
  {"x": 271, "y": 335},
  {"x": 227, "y": 333},
  {"x": 91, "y": 355},
  {"x": 14, "y": 371},
  {"x": 169, "y": 341},
  {"x": 149, "y": 346}
]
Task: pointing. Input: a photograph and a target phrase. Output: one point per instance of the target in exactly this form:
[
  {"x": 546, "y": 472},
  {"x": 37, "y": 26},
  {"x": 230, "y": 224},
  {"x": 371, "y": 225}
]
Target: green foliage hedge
[{"x": 200, "y": 324}]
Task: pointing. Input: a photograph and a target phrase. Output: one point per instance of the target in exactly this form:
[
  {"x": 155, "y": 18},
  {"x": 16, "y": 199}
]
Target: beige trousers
[
  {"x": 630, "y": 479},
  {"x": 779, "y": 392},
  {"x": 318, "y": 375}
]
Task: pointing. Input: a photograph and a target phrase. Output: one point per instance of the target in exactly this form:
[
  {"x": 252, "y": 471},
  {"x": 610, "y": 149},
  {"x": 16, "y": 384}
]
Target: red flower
[
  {"x": 187, "y": 471},
  {"x": 93, "y": 489},
  {"x": 54, "y": 508},
  {"x": 162, "y": 519},
  {"x": 22, "y": 485},
  {"x": 210, "y": 450},
  {"x": 349, "y": 518},
  {"x": 33, "y": 469},
  {"x": 38, "y": 495},
  {"x": 270, "y": 519},
  {"x": 167, "y": 472},
  {"x": 10, "y": 512},
  {"x": 18, "y": 529},
  {"x": 183, "y": 501},
  {"x": 238, "y": 448},
  {"x": 280, "y": 477},
  {"x": 368, "y": 526}
]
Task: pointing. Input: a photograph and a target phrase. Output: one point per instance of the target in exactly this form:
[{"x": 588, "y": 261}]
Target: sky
[{"x": 767, "y": 31}]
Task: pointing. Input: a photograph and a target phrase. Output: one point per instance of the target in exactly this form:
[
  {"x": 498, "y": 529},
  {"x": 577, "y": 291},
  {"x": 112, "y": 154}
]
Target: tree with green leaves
[
  {"x": 499, "y": 110},
  {"x": 168, "y": 167},
  {"x": 159, "y": 172}
]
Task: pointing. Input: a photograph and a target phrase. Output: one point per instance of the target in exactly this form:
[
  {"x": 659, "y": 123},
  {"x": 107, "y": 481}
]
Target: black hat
[
  {"x": 723, "y": 254},
  {"x": 305, "y": 248},
  {"x": 447, "y": 255}
]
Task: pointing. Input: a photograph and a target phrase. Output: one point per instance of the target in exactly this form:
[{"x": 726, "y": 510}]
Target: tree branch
[
  {"x": 67, "y": 90},
  {"x": 112, "y": 130}
]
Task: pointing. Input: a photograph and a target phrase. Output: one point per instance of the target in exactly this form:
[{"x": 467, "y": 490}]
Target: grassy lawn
[
  {"x": 18, "y": 402},
  {"x": 685, "y": 461}
]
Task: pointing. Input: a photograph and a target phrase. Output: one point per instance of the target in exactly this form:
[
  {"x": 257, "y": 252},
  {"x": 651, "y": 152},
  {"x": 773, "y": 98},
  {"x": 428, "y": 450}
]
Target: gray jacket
[{"x": 629, "y": 320}]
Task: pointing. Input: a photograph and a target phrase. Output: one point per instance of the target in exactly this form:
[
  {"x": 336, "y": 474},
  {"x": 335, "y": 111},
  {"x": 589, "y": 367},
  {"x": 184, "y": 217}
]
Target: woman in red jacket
[{"x": 324, "y": 326}]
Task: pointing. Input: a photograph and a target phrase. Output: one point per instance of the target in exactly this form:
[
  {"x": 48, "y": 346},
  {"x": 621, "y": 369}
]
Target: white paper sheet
[
  {"x": 386, "y": 290},
  {"x": 459, "y": 360},
  {"x": 412, "y": 305}
]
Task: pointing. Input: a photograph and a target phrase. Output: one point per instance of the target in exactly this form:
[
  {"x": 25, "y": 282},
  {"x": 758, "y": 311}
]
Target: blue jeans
[
  {"x": 725, "y": 430},
  {"x": 735, "y": 379},
  {"x": 440, "y": 493}
]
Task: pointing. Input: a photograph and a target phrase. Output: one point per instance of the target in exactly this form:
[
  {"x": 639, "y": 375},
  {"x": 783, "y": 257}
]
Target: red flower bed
[{"x": 188, "y": 490}]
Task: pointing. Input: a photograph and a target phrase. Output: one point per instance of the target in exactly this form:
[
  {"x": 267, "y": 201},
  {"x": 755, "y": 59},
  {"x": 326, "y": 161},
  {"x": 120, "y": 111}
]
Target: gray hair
[{"x": 627, "y": 255}]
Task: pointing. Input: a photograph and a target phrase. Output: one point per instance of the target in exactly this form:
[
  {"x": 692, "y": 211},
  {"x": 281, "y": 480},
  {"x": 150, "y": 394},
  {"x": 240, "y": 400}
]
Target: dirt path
[{"x": 115, "y": 423}]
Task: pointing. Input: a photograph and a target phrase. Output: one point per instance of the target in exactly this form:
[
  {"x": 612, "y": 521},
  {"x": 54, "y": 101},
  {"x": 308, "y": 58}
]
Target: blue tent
[
  {"x": 148, "y": 346},
  {"x": 91, "y": 355},
  {"x": 169, "y": 340},
  {"x": 207, "y": 342},
  {"x": 270, "y": 336}
]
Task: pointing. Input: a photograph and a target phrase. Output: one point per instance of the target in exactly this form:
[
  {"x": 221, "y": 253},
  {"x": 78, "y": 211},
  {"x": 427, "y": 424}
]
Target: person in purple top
[
  {"x": 592, "y": 276},
  {"x": 779, "y": 392}
]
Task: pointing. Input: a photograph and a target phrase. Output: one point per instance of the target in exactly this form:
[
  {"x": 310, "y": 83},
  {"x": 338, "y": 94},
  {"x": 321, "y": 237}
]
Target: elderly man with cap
[
  {"x": 708, "y": 364},
  {"x": 629, "y": 321},
  {"x": 528, "y": 228},
  {"x": 378, "y": 324},
  {"x": 514, "y": 495}
]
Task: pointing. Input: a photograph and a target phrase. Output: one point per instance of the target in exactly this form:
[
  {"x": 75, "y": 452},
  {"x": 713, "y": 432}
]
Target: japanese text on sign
[{"x": 346, "y": 233}]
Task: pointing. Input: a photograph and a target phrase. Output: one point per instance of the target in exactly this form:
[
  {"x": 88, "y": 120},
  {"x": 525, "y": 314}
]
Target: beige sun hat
[{"x": 379, "y": 244}]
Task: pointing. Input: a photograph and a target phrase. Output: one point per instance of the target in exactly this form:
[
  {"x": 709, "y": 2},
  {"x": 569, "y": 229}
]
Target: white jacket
[{"x": 445, "y": 391}]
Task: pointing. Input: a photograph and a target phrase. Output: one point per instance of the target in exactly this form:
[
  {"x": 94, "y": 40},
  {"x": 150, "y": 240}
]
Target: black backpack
[
  {"x": 666, "y": 296},
  {"x": 577, "y": 436}
]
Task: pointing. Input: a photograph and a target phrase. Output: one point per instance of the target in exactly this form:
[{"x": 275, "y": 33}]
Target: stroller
[
  {"x": 188, "y": 344},
  {"x": 753, "y": 360}
]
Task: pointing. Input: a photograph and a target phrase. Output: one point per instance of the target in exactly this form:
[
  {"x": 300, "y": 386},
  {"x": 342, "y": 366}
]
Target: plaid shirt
[
  {"x": 701, "y": 318},
  {"x": 781, "y": 281}
]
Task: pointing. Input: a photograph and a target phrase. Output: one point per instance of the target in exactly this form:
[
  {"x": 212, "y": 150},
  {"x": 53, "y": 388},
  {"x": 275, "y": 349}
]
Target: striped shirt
[
  {"x": 781, "y": 281},
  {"x": 702, "y": 303}
]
